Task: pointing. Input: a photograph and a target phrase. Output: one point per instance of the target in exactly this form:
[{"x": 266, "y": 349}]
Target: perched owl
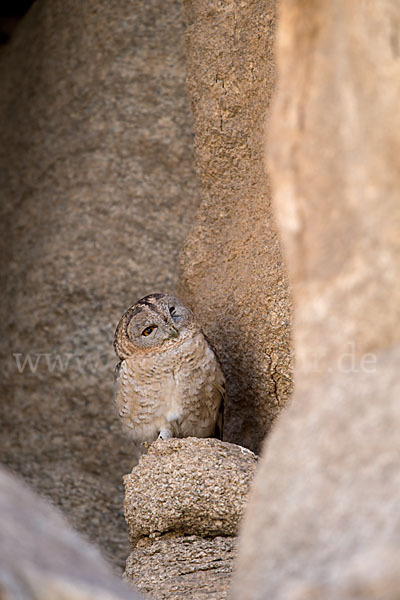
[{"x": 169, "y": 382}]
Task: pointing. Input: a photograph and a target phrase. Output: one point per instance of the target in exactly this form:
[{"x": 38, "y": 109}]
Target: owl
[{"x": 168, "y": 382}]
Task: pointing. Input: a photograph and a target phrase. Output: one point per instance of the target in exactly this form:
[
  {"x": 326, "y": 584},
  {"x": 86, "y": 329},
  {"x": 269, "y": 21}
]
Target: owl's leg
[{"x": 165, "y": 433}]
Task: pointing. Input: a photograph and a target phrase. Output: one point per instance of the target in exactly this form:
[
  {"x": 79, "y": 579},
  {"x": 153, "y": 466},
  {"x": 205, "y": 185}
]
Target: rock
[
  {"x": 322, "y": 520},
  {"x": 336, "y": 179},
  {"x": 185, "y": 486},
  {"x": 175, "y": 567},
  {"x": 231, "y": 268},
  {"x": 98, "y": 192},
  {"x": 323, "y": 516},
  {"x": 183, "y": 503},
  {"x": 42, "y": 557}
]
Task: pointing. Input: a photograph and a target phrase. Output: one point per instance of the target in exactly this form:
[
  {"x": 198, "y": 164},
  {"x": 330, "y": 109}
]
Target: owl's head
[{"x": 157, "y": 321}]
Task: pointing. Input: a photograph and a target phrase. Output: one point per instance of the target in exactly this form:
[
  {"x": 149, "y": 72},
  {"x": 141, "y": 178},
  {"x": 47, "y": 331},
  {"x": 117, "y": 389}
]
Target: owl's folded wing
[{"x": 219, "y": 425}]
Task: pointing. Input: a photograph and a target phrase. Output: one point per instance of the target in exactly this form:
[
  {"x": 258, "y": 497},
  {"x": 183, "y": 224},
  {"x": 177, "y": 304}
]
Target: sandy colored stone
[
  {"x": 183, "y": 503},
  {"x": 334, "y": 159},
  {"x": 174, "y": 567},
  {"x": 41, "y": 557},
  {"x": 188, "y": 486},
  {"x": 323, "y": 517},
  {"x": 231, "y": 268},
  {"x": 98, "y": 193}
]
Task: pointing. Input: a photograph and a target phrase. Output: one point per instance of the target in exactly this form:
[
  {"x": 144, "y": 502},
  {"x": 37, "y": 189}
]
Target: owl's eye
[
  {"x": 149, "y": 330},
  {"x": 172, "y": 310}
]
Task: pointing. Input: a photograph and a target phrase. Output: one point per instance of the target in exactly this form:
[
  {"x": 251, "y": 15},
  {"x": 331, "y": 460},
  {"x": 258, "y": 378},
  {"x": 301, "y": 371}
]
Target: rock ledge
[{"x": 183, "y": 504}]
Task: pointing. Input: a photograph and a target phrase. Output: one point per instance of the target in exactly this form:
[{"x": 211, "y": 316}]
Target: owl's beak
[{"x": 173, "y": 332}]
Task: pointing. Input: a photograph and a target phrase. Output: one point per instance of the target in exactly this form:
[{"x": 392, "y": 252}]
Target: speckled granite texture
[
  {"x": 98, "y": 193},
  {"x": 183, "y": 504},
  {"x": 231, "y": 269}
]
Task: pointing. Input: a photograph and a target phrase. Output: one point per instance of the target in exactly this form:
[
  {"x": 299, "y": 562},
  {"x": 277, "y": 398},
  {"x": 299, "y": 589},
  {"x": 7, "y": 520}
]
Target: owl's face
[{"x": 155, "y": 321}]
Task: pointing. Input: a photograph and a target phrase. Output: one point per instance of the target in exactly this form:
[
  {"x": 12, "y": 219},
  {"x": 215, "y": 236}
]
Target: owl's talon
[{"x": 165, "y": 434}]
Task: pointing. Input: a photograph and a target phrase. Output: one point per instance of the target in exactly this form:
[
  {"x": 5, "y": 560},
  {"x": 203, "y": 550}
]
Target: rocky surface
[
  {"x": 98, "y": 193},
  {"x": 231, "y": 268},
  {"x": 42, "y": 557},
  {"x": 174, "y": 567},
  {"x": 183, "y": 504},
  {"x": 337, "y": 179},
  {"x": 323, "y": 518}
]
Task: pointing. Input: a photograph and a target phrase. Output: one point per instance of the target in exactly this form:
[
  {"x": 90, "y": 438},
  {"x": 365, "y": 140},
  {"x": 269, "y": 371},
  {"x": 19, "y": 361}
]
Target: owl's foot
[{"x": 165, "y": 434}]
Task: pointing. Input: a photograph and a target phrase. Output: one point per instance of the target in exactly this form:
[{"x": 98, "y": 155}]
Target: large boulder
[
  {"x": 231, "y": 268},
  {"x": 98, "y": 193},
  {"x": 183, "y": 504},
  {"x": 42, "y": 557},
  {"x": 323, "y": 517},
  {"x": 334, "y": 160}
]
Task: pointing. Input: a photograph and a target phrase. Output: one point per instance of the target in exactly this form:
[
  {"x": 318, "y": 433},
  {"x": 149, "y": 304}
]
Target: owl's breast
[{"x": 179, "y": 387}]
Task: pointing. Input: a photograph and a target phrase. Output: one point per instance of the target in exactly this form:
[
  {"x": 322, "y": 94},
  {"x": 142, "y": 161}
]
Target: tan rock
[
  {"x": 183, "y": 503},
  {"x": 231, "y": 269},
  {"x": 334, "y": 161},
  {"x": 190, "y": 486},
  {"x": 323, "y": 518},
  {"x": 323, "y": 515},
  {"x": 175, "y": 567},
  {"x": 41, "y": 557},
  {"x": 98, "y": 191}
]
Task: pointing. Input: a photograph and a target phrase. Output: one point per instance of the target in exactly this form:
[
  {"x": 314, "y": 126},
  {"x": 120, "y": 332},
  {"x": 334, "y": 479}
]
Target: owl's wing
[
  {"x": 219, "y": 425},
  {"x": 121, "y": 399},
  {"x": 117, "y": 371}
]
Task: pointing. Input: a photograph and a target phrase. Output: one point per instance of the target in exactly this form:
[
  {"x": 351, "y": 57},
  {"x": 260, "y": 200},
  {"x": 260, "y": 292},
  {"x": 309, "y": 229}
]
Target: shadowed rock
[
  {"x": 231, "y": 268},
  {"x": 98, "y": 192},
  {"x": 42, "y": 557}
]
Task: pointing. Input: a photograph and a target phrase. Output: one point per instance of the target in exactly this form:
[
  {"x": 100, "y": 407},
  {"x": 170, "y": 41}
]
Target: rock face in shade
[
  {"x": 42, "y": 557},
  {"x": 323, "y": 518},
  {"x": 98, "y": 194},
  {"x": 231, "y": 268},
  {"x": 183, "y": 503}
]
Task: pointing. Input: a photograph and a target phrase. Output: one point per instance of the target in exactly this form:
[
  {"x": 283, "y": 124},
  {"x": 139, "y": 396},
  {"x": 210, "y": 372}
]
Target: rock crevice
[{"x": 232, "y": 273}]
